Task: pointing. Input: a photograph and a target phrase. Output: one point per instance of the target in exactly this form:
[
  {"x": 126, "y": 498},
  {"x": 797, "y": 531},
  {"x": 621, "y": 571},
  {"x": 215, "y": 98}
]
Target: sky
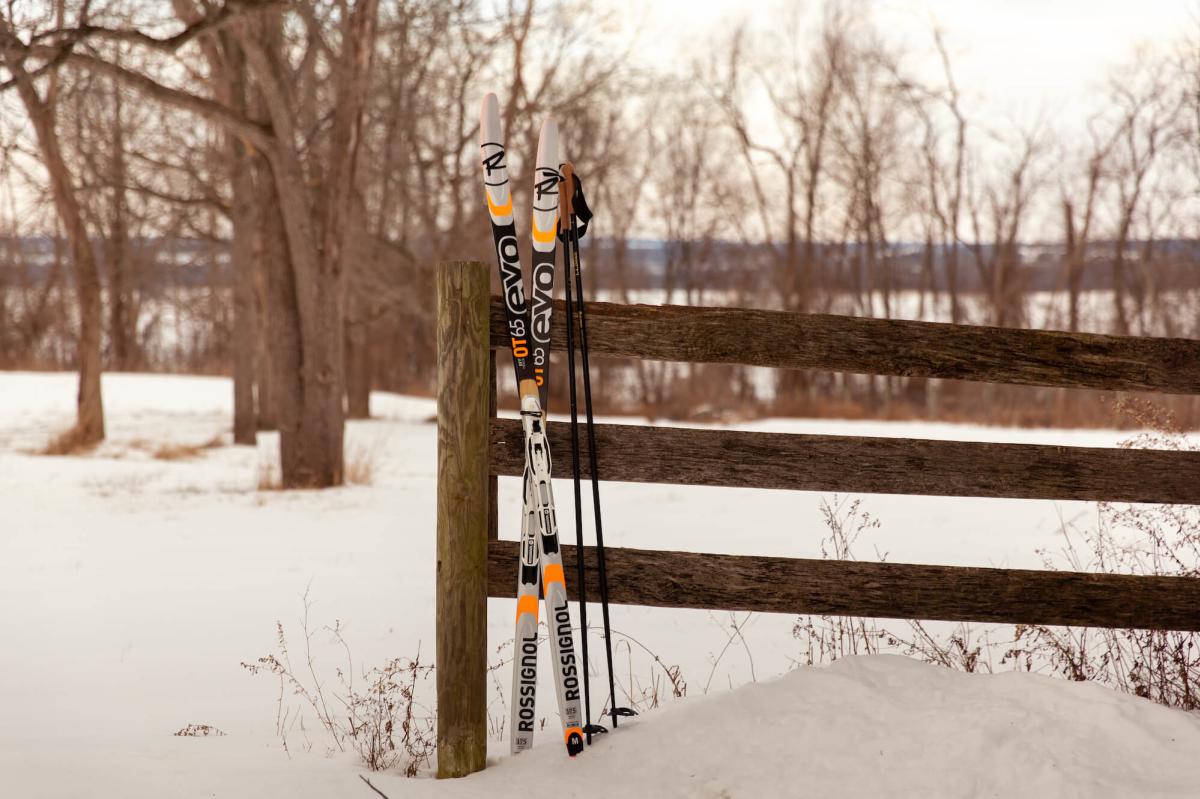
[
  {"x": 1016, "y": 60},
  {"x": 1020, "y": 65}
]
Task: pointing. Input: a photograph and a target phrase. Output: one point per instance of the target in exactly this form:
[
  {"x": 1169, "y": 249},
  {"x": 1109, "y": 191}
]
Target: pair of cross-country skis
[{"x": 559, "y": 213}]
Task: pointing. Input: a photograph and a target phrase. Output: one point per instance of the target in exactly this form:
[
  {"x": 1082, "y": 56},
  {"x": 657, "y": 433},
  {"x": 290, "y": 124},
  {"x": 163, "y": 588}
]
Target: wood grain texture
[
  {"x": 852, "y": 464},
  {"x": 881, "y": 346},
  {"x": 884, "y": 590},
  {"x": 462, "y": 517},
  {"x": 493, "y": 488}
]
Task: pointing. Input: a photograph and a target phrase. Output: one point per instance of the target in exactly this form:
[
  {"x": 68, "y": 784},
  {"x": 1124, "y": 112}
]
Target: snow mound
[{"x": 882, "y": 726}]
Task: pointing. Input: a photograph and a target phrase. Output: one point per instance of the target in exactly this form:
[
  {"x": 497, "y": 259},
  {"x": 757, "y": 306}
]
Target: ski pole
[
  {"x": 564, "y": 195},
  {"x": 575, "y": 195}
]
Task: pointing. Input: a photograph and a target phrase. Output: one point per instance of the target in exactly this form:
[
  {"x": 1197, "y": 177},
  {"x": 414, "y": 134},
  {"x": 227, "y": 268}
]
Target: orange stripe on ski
[
  {"x": 527, "y": 604},
  {"x": 553, "y": 573},
  {"x": 544, "y": 236},
  {"x": 498, "y": 210}
]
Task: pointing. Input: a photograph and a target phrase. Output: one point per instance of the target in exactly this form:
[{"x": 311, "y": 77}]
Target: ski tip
[
  {"x": 489, "y": 121},
  {"x": 547, "y": 154},
  {"x": 574, "y": 738},
  {"x": 492, "y": 159},
  {"x": 545, "y": 191}
]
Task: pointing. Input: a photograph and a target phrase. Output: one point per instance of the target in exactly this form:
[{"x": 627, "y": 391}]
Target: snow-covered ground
[{"x": 132, "y": 588}]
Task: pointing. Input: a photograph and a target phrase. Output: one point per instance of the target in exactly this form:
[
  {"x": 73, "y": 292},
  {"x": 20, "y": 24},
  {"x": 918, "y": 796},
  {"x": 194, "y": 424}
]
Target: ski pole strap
[{"x": 572, "y": 203}]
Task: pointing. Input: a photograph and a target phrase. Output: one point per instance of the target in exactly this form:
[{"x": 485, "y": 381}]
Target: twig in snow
[{"x": 372, "y": 787}]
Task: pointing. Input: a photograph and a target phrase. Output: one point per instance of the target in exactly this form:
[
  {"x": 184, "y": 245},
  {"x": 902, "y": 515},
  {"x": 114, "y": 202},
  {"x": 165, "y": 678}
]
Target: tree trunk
[
  {"x": 265, "y": 248},
  {"x": 245, "y": 341},
  {"x": 284, "y": 338},
  {"x": 357, "y": 355},
  {"x": 358, "y": 369},
  {"x": 951, "y": 254},
  {"x": 306, "y": 310},
  {"x": 120, "y": 329},
  {"x": 1118, "y": 278},
  {"x": 309, "y": 230},
  {"x": 268, "y": 415},
  {"x": 1072, "y": 280}
]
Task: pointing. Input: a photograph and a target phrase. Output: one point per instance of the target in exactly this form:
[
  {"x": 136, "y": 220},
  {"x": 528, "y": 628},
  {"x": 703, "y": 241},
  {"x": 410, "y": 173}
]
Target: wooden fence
[{"x": 474, "y": 448}]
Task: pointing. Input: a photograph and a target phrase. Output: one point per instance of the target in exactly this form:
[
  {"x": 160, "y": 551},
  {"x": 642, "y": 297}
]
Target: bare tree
[
  {"x": 311, "y": 153},
  {"x": 868, "y": 139},
  {"x": 944, "y": 172},
  {"x": 18, "y": 57},
  {"x": 1006, "y": 203},
  {"x": 1149, "y": 113},
  {"x": 803, "y": 104},
  {"x": 1078, "y": 221}
]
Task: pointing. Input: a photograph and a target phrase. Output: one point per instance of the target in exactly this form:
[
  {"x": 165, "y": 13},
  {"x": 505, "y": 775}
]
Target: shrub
[
  {"x": 1159, "y": 540},
  {"x": 380, "y": 718}
]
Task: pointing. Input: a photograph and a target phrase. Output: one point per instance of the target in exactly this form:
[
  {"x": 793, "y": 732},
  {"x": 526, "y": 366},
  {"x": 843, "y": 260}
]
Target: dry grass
[
  {"x": 269, "y": 478},
  {"x": 382, "y": 718},
  {"x": 69, "y": 442},
  {"x": 358, "y": 468},
  {"x": 360, "y": 462},
  {"x": 721, "y": 393},
  {"x": 179, "y": 452},
  {"x": 199, "y": 731},
  {"x": 1155, "y": 540},
  {"x": 127, "y": 484}
]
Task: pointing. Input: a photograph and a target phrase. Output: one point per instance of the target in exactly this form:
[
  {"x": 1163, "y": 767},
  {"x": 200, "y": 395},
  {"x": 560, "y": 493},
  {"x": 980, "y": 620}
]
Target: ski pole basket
[{"x": 475, "y": 447}]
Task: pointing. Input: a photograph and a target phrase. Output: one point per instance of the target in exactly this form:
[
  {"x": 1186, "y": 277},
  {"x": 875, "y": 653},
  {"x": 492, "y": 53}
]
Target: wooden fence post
[{"x": 462, "y": 516}]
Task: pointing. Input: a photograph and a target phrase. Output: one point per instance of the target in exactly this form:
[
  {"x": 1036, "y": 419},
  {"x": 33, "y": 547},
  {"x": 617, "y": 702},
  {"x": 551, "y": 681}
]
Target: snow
[
  {"x": 886, "y": 726},
  {"x": 132, "y": 588}
]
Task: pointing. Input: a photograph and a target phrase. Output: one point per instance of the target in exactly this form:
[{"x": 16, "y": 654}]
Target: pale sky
[
  {"x": 1020, "y": 65},
  {"x": 1015, "y": 60}
]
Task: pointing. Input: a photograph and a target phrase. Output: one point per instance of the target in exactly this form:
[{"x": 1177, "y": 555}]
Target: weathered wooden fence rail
[
  {"x": 853, "y": 464},
  {"x": 880, "y": 346},
  {"x": 687, "y": 456}
]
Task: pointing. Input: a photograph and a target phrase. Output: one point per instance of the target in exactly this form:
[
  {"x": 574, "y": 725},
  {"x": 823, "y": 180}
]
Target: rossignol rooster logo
[
  {"x": 546, "y": 186},
  {"x": 493, "y": 162}
]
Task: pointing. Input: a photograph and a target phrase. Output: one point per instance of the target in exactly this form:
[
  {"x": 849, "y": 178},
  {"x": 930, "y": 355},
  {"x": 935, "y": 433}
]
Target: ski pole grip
[{"x": 566, "y": 192}]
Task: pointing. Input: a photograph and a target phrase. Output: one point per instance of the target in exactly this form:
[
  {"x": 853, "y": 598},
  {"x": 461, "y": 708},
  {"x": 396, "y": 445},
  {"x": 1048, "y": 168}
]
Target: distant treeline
[{"x": 205, "y": 263}]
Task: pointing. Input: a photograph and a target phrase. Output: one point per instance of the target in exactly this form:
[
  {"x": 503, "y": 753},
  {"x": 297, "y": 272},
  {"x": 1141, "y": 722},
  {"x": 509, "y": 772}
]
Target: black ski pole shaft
[
  {"x": 564, "y": 214},
  {"x": 591, "y": 434}
]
